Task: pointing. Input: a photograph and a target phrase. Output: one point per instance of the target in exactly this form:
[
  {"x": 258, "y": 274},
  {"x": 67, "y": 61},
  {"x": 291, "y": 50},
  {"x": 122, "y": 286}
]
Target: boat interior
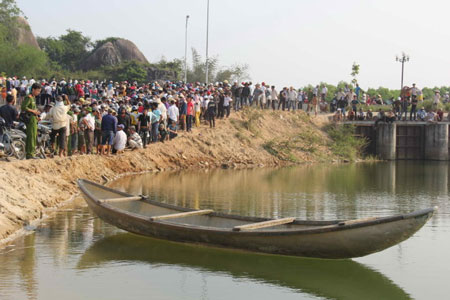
[{"x": 206, "y": 217}]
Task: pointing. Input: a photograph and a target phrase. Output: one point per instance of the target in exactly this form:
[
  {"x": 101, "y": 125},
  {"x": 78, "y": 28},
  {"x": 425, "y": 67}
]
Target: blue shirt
[
  {"x": 183, "y": 108},
  {"x": 109, "y": 123},
  {"x": 155, "y": 116}
]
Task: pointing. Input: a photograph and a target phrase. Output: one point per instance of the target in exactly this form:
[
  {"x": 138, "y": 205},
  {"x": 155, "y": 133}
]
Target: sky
[{"x": 284, "y": 42}]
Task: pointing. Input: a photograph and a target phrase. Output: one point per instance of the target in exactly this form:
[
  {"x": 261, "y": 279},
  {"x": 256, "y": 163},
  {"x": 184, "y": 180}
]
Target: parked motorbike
[
  {"x": 11, "y": 144},
  {"x": 43, "y": 147}
]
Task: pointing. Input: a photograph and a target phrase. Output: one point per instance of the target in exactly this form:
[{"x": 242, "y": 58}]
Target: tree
[
  {"x": 354, "y": 73},
  {"x": 198, "y": 71},
  {"x": 130, "y": 71},
  {"x": 23, "y": 60},
  {"x": 69, "y": 50},
  {"x": 237, "y": 72},
  {"x": 9, "y": 12},
  {"x": 176, "y": 65}
]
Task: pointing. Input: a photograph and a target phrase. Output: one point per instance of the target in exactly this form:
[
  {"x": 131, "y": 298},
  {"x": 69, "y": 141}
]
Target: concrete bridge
[{"x": 403, "y": 140}]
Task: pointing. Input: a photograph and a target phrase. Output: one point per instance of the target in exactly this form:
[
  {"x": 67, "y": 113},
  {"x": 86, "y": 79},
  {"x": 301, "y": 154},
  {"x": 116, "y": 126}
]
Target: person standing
[
  {"x": 324, "y": 93},
  {"x": 292, "y": 98},
  {"x": 143, "y": 126},
  {"x": 109, "y": 127},
  {"x": 190, "y": 113},
  {"x": 211, "y": 113},
  {"x": 245, "y": 93},
  {"x": 155, "y": 117},
  {"x": 58, "y": 115},
  {"x": 227, "y": 104},
  {"x": 173, "y": 112},
  {"x": 413, "y": 113},
  {"x": 197, "y": 110},
  {"x": 436, "y": 99},
  {"x": 273, "y": 97},
  {"x": 182, "y": 111},
  {"x": 89, "y": 125},
  {"x": 29, "y": 107}
]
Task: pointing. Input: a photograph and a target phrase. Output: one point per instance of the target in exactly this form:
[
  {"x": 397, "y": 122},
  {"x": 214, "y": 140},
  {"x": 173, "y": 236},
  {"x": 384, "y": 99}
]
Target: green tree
[
  {"x": 23, "y": 60},
  {"x": 197, "y": 73},
  {"x": 237, "y": 72},
  {"x": 69, "y": 50},
  {"x": 130, "y": 71},
  {"x": 354, "y": 73},
  {"x": 9, "y": 12}
]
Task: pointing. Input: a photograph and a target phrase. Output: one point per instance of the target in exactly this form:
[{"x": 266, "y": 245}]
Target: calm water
[{"x": 74, "y": 255}]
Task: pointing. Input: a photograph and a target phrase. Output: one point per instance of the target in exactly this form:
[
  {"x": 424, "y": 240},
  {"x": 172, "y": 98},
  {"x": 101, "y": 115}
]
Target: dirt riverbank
[{"x": 247, "y": 139}]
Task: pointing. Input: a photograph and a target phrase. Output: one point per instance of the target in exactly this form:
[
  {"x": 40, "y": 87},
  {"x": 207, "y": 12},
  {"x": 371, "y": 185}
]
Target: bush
[{"x": 344, "y": 143}]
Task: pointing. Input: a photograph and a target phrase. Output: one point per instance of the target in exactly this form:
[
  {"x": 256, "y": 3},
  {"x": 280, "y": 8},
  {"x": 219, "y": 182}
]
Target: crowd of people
[{"x": 104, "y": 117}]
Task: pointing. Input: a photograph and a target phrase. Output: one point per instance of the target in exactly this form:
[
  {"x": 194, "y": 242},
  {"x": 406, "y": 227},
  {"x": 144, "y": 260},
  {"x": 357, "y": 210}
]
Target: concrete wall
[
  {"x": 386, "y": 135},
  {"x": 433, "y": 139},
  {"x": 436, "y": 141}
]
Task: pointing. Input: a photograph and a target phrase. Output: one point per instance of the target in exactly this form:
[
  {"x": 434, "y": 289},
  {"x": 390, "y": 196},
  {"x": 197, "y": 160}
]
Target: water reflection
[
  {"x": 74, "y": 255},
  {"x": 338, "y": 279},
  {"x": 309, "y": 192}
]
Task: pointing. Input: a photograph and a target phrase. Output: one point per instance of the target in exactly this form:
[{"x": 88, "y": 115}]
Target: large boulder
[
  {"x": 24, "y": 34},
  {"x": 113, "y": 53}
]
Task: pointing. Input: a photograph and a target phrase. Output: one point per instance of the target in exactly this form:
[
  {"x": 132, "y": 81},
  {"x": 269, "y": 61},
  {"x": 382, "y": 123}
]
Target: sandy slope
[{"x": 27, "y": 188}]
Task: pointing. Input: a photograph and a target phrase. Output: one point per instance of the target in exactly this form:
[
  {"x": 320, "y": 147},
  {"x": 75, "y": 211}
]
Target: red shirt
[{"x": 190, "y": 108}]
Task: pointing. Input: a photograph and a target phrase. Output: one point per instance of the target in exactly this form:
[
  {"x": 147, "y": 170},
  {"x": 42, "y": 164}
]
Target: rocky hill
[
  {"x": 113, "y": 53},
  {"x": 24, "y": 34}
]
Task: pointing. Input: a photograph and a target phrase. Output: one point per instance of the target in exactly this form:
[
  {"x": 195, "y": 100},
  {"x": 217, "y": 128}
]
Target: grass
[
  {"x": 307, "y": 141},
  {"x": 344, "y": 144}
]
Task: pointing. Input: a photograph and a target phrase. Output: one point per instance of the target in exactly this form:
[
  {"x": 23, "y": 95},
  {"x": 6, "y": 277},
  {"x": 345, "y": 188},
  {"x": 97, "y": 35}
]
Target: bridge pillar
[
  {"x": 386, "y": 141},
  {"x": 436, "y": 141}
]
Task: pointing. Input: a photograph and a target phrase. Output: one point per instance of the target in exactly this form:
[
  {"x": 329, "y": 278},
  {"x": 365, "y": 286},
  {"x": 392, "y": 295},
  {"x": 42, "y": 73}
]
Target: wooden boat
[{"x": 286, "y": 236}]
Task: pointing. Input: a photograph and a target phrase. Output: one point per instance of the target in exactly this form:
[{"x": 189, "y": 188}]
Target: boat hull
[{"x": 320, "y": 241}]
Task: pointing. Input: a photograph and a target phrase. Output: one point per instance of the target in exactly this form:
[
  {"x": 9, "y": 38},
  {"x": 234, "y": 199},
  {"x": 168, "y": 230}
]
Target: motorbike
[
  {"x": 11, "y": 144},
  {"x": 43, "y": 146}
]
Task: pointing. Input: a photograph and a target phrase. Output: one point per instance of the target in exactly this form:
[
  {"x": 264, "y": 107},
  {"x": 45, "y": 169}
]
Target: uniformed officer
[{"x": 29, "y": 106}]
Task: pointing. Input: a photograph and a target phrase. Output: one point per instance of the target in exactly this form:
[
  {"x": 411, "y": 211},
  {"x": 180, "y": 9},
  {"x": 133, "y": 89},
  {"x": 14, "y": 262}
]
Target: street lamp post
[
  {"x": 185, "y": 50},
  {"x": 207, "y": 42},
  {"x": 403, "y": 59}
]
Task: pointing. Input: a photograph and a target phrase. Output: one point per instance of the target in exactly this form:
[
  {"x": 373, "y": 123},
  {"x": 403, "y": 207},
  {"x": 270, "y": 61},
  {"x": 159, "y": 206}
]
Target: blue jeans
[{"x": 107, "y": 137}]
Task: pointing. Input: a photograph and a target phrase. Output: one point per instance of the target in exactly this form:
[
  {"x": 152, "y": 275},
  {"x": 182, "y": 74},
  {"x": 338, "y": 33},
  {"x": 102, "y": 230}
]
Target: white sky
[{"x": 285, "y": 42}]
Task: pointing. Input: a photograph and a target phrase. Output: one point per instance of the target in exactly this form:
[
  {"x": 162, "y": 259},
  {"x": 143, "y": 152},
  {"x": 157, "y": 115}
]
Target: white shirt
[
  {"x": 173, "y": 112},
  {"x": 274, "y": 95},
  {"x": 226, "y": 101},
  {"x": 436, "y": 98},
  {"x": 59, "y": 115},
  {"x": 292, "y": 95},
  {"x": 162, "y": 108},
  {"x": 120, "y": 140},
  {"x": 90, "y": 121},
  {"x": 48, "y": 90},
  {"x": 324, "y": 90}
]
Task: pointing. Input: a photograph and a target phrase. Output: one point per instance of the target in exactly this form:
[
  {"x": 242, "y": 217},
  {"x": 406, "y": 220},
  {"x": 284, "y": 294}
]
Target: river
[{"x": 74, "y": 255}]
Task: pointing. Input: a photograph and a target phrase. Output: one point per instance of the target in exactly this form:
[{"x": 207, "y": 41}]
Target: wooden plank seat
[
  {"x": 264, "y": 224},
  {"x": 182, "y": 215},
  {"x": 121, "y": 199}
]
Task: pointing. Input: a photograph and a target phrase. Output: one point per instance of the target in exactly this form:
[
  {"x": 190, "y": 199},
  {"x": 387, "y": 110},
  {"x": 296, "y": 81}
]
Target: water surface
[{"x": 74, "y": 255}]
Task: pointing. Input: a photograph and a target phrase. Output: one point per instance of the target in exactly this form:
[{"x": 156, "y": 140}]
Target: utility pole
[
  {"x": 207, "y": 42},
  {"x": 403, "y": 59},
  {"x": 185, "y": 50}
]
